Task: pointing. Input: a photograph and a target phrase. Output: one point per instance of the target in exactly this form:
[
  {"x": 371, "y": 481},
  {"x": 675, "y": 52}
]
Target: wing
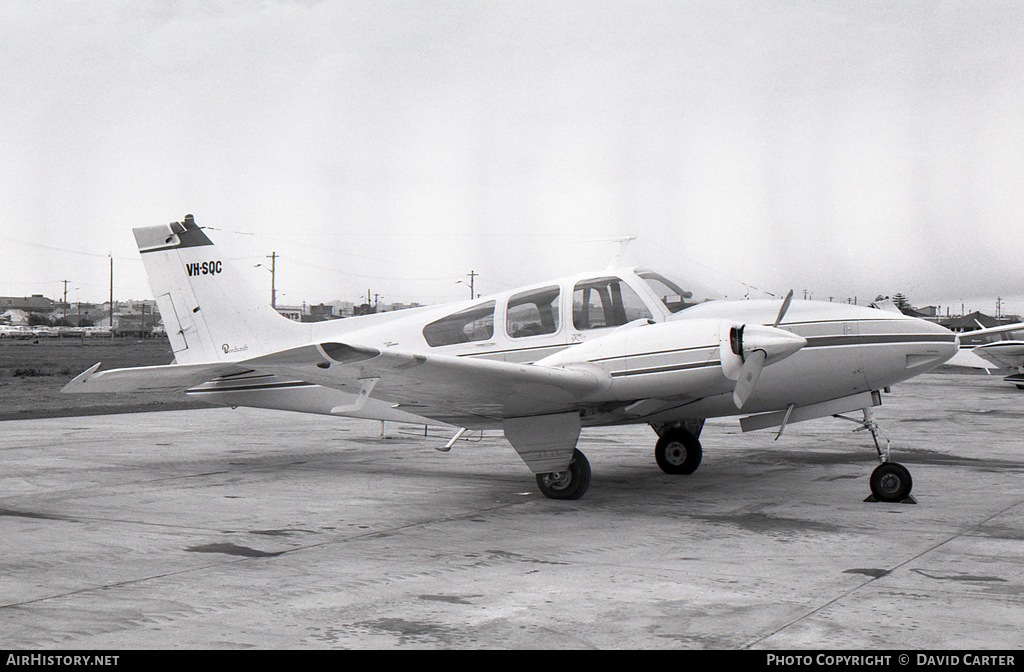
[
  {"x": 999, "y": 347},
  {"x": 462, "y": 391},
  {"x": 1004, "y": 354}
]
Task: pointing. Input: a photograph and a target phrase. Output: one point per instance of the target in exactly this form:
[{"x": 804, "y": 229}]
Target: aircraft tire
[
  {"x": 891, "y": 482},
  {"x": 569, "y": 484},
  {"x": 678, "y": 452}
]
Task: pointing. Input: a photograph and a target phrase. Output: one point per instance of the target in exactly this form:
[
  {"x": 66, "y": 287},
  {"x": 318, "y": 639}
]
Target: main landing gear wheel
[
  {"x": 891, "y": 482},
  {"x": 568, "y": 484},
  {"x": 678, "y": 452}
]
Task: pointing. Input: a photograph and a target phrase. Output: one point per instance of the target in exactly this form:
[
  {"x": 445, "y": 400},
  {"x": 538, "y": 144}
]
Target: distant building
[
  {"x": 133, "y": 325},
  {"x": 322, "y": 312},
  {"x": 927, "y": 311},
  {"x": 343, "y": 308},
  {"x": 88, "y": 314},
  {"x": 971, "y": 322},
  {"x": 304, "y": 313},
  {"x": 391, "y": 307},
  {"x": 292, "y": 312},
  {"x": 37, "y": 303},
  {"x": 14, "y": 317},
  {"x": 922, "y": 313}
]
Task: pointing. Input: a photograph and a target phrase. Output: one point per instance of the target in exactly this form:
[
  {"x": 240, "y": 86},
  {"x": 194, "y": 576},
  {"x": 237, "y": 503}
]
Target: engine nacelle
[{"x": 652, "y": 360}]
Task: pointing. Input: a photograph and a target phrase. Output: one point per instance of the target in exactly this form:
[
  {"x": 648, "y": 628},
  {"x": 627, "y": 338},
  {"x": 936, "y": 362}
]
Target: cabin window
[
  {"x": 472, "y": 324},
  {"x": 672, "y": 295},
  {"x": 605, "y": 302},
  {"x": 533, "y": 313}
]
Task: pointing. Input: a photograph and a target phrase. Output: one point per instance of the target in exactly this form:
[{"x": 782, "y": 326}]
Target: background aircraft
[
  {"x": 994, "y": 348},
  {"x": 619, "y": 346}
]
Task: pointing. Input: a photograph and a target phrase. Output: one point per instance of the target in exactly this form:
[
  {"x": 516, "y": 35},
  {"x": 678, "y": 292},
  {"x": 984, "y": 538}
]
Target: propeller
[
  {"x": 751, "y": 371},
  {"x": 759, "y": 346},
  {"x": 785, "y": 307}
]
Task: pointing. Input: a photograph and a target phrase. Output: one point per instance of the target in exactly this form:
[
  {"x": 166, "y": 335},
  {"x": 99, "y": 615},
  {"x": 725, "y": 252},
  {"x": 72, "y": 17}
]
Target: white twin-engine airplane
[
  {"x": 999, "y": 347},
  {"x": 621, "y": 346}
]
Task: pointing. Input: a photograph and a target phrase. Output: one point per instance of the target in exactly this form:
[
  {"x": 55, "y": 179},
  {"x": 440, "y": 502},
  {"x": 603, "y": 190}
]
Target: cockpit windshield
[{"x": 671, "y": 291}]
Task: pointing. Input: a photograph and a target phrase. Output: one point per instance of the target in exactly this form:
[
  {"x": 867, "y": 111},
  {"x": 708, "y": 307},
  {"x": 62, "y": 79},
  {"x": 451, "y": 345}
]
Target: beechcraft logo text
[{"x": 205, "y": 268}]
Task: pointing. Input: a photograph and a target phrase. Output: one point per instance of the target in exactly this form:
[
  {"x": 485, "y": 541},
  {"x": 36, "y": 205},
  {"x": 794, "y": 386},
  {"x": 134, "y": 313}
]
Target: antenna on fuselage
[{"x": 621, "y": 252}]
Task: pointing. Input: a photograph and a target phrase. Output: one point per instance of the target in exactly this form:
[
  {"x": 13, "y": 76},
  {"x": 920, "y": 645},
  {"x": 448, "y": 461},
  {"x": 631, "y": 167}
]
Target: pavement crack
[{"x": 962, "y": 533}]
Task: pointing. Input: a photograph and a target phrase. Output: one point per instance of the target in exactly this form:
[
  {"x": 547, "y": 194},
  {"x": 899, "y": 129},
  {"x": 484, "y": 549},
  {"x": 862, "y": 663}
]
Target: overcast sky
[{"x": 844, "y": 148}]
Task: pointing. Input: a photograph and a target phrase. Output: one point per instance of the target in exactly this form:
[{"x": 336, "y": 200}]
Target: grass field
[{"x": 32, "y": 372}]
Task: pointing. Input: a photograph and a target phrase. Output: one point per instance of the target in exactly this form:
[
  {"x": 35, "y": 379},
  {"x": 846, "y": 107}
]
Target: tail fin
[{"x": 210, "y": 311}]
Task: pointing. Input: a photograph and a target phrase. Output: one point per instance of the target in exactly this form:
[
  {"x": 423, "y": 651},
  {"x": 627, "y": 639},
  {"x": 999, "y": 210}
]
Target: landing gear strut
[
  {"x": 569, "y": 484},
  {"x": 890, "y": 481}
]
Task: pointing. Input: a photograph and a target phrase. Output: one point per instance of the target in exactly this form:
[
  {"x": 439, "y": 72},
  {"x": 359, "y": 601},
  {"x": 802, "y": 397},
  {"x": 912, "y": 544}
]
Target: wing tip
[{"x": 80, "y": 379}]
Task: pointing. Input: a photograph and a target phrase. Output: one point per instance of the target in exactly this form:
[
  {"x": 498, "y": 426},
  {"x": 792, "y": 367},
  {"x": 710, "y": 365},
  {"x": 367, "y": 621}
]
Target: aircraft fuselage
[{"x": 661, "y": 366}]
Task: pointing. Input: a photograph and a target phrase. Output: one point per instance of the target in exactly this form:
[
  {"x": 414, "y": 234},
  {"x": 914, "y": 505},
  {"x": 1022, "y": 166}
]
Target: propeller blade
[
  {"x": 785, "y": 306},
  {"x": 749, "y": 374}
]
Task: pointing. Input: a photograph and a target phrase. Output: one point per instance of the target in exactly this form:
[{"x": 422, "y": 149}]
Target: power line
[
  {"x": 65, "y": 250},
  {"x": 713, "y": 270}
]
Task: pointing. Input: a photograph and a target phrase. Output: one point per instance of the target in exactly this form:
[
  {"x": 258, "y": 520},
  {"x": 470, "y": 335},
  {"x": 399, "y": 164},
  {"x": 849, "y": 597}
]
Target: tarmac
[{"x": 247, "y": 529}]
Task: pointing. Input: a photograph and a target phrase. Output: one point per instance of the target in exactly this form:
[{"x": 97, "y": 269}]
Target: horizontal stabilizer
[{"x": 169, "y": 378}]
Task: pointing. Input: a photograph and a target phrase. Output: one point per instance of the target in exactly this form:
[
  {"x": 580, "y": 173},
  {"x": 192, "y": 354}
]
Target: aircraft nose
[
  {"x": 932, "y": 328},
  {"x": 931, "y": 346},
  {"x": 948, "y": 343}
]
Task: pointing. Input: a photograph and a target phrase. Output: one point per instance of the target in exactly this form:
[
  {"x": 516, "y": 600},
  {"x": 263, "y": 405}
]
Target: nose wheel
[{"x": 890, "y": 481}]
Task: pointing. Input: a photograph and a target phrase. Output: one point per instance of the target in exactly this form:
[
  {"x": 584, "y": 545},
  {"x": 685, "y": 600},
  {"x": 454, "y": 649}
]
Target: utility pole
[
  {"x": 65, "y": 302},
  {"x": 111, "y": 296},
  {"x": 273, "y": 279},
  {"x": 472, "y": 276}
]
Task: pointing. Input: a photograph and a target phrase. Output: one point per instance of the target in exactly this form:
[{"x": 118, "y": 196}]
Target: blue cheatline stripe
[
  {"x": 876, "y": 339},
  {"x": 666, "y": 369},
  {"x": 248, "y": 388},
  {"x": 660, "y": 352},
  {"x": 812, "y": 342}
]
